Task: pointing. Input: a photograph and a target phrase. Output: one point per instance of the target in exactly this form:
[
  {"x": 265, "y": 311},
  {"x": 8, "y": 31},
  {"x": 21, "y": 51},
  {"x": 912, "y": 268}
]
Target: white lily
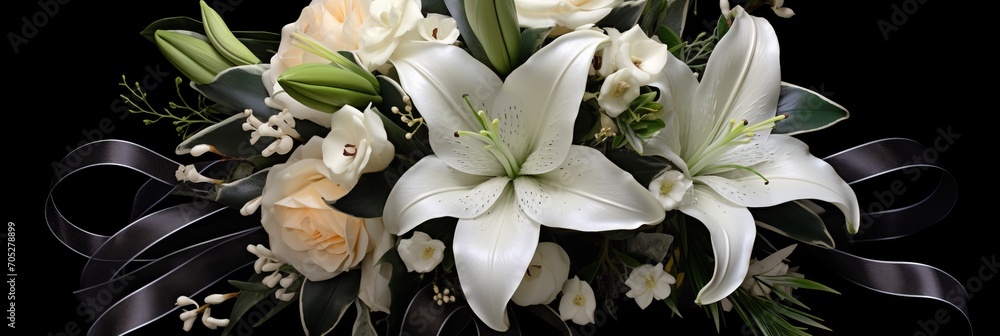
[
  {"x": 718, "y": 135},
  {"x": 504, "y": 178}
]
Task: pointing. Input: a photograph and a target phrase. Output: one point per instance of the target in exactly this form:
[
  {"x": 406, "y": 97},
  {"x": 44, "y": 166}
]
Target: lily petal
[
  {"x": 436, "y": 76},
  {"x": 677, "y": 84},
  {"x": 794, "y": 174},
  {"x": 491, "y": 253},
  {"x": 742, "y": 80},
  {"x": 549, "y": 88},
  {"x": 732, "y": 230},
  {"x": 587, "y": 193},
  {"x": 431, "y": 189}
]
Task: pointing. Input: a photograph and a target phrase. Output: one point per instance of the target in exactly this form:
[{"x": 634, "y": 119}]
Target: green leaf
[
  {"x": 532, "y": 39},
  {"x": 676, "y": 15},
  {"x": 807, "y": 111},
  {"x": 795, "y": 282},
  {"x": 799, "y": 316},
  {"x": 250, "y": 286},
  {"x": 673, "y": 41},
  {"x": 237, "y": 193},
  {"x": 323, "y": 303},
  {"x": 628, "y": 260},
  {"x": 654, "y": 246},
  {"x": 434, "y": 6},
  {"x": 796, "y": 221},
  {"x": 722, "y": 27},
  {"x": 588, "y": 272},
  {"x": 402, "y": 287},
  {"x": 623, "y": 17},
  {"x": 642, "y": 168},
  {"x": 246, "y": 301},
  {"x": 550, "y": 316},
  {"x": 227, "y": 137},
  {"x": 239, "y": 88},
  {"x": 363, "y": 323},
  {"x": 457, "y": 10},
  {"x": 367, "y": 199}
]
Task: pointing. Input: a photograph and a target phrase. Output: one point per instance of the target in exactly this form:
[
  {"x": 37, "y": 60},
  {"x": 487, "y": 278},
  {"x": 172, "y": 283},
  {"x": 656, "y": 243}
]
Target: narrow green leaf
[
  {"x": 237, "y": 193},
  {"x": 796, "y": 221},
  {"x": 323, "y": 303},
  {"x": 807, "y": 111},
  {"x": 239, "y": 88},
  {"x": 250, "y": 286},
  {"x": 670, "y": 38},
  {"x": 281, "y": 304},
  {"x": 722, "y": 27},
  {"x": 796, "y": 282},
  {"x": 588, "y": 272},
  {"x": 532, "y": 39},
  {"x": 676, "y": 15},
  {"x": 799, "y": 316},
  {"x": 628, "y": 260}
]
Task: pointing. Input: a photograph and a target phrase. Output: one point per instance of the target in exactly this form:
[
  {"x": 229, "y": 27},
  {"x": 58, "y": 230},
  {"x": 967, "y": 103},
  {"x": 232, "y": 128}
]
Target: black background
[{"x": 919, "y": 78}]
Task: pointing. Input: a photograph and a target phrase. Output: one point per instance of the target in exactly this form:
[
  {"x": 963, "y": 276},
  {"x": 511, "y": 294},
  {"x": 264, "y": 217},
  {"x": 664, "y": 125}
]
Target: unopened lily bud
[
  {"x": 196, "y": 58},
  {"x": 223, "y": 39},
  {"x": 327, "y": 88},
  {"x": 494, "y": 22}
]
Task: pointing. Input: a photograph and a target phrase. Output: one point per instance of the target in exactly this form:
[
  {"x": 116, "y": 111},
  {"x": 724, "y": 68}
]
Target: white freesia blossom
[
  {"x": 632, "y": 49},
  {"x": 566, "y": 13},
  {"x": 357, "y": 144},
  {"x": 388, "y": 21},
  {"x": 506, "y": 173},
  {"x": 420, "y": 253},
  {"x": 438, "y": 28},
  {"x": 620, "y": 89},
  {"x": 718, "y": 133},
  {"x": 544, "y": 278},
  {"x": 648, "y": 282},
  {"x": 578, "y": 302},
  {"x": 669, "y": 187}
]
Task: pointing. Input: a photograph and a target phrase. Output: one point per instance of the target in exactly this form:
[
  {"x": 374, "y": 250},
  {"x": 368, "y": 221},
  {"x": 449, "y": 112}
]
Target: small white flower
[
  {"x": 211, "y": 322},
  {"x": 283, "y": 294},
  {"x": 578, "y": 302},
  {"x": 357, "y": 144},
  {"x": 420, "y": 253},
  {"x": 185, "y": 301},
  {"x": 618, "y": 90},
  {"x": 670, "y": 187},
  {"x": 190, "y": 173},
  {"x": 648, "y": 282},
  {"x": 438, "y": 28},
  {"x": 772, "y": 265},
  {"x": 781, "y": 11}
]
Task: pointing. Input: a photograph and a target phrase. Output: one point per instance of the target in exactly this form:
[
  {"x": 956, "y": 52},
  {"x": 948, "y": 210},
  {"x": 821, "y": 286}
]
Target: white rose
[
  {"x": 420, "y": 253},
  {"x": 388, "y": 21},
  {"x": 305, "y": 232},
  {"x": 357, "y": 144},
  {"x": 545, "y": 276},
  {"x": 566, "y": 13}
]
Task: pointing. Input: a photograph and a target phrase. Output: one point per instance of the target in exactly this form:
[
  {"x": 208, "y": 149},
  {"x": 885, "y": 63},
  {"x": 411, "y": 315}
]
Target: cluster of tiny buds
[
  {"x": 444, "y": 296},
  {"x": 604, "y": 134},
  {"x": 407, "y": 116},
  {"x": 280, "y": 126},
  {"x": 266, "y": 262},
  {"x": 190, "y": 316}
]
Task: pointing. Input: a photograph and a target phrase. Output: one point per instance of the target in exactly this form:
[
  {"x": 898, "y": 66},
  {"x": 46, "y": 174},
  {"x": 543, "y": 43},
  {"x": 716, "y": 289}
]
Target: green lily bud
[
  {"x": 327, "y": 88},
  {"x": 494, "y": 22},
  {"x": 223, "y": 39},
  {"x": 193, "y": 56}
]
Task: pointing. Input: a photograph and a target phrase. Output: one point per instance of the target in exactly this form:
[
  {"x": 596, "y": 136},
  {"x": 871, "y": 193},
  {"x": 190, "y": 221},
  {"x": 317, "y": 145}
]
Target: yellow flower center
[
  {"x": 428, "y": 253},
  {"x": 666, "y": 187},
  {"x": 579, "y": 300}
]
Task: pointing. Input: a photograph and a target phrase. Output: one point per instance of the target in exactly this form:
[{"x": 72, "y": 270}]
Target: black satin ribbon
[
  {"x": 894, "y": 157},
  {"x": 906, "y": 279},
  {"x": 141, "y": 269}
]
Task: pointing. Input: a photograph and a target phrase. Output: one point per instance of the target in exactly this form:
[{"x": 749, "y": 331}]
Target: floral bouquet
[{"x": 488, "y": 166}]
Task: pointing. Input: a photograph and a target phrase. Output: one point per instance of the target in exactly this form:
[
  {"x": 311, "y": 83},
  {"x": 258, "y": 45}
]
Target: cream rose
[
  {"x": 305, "y": 232},
  {"x": 571, "y": 14}
]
